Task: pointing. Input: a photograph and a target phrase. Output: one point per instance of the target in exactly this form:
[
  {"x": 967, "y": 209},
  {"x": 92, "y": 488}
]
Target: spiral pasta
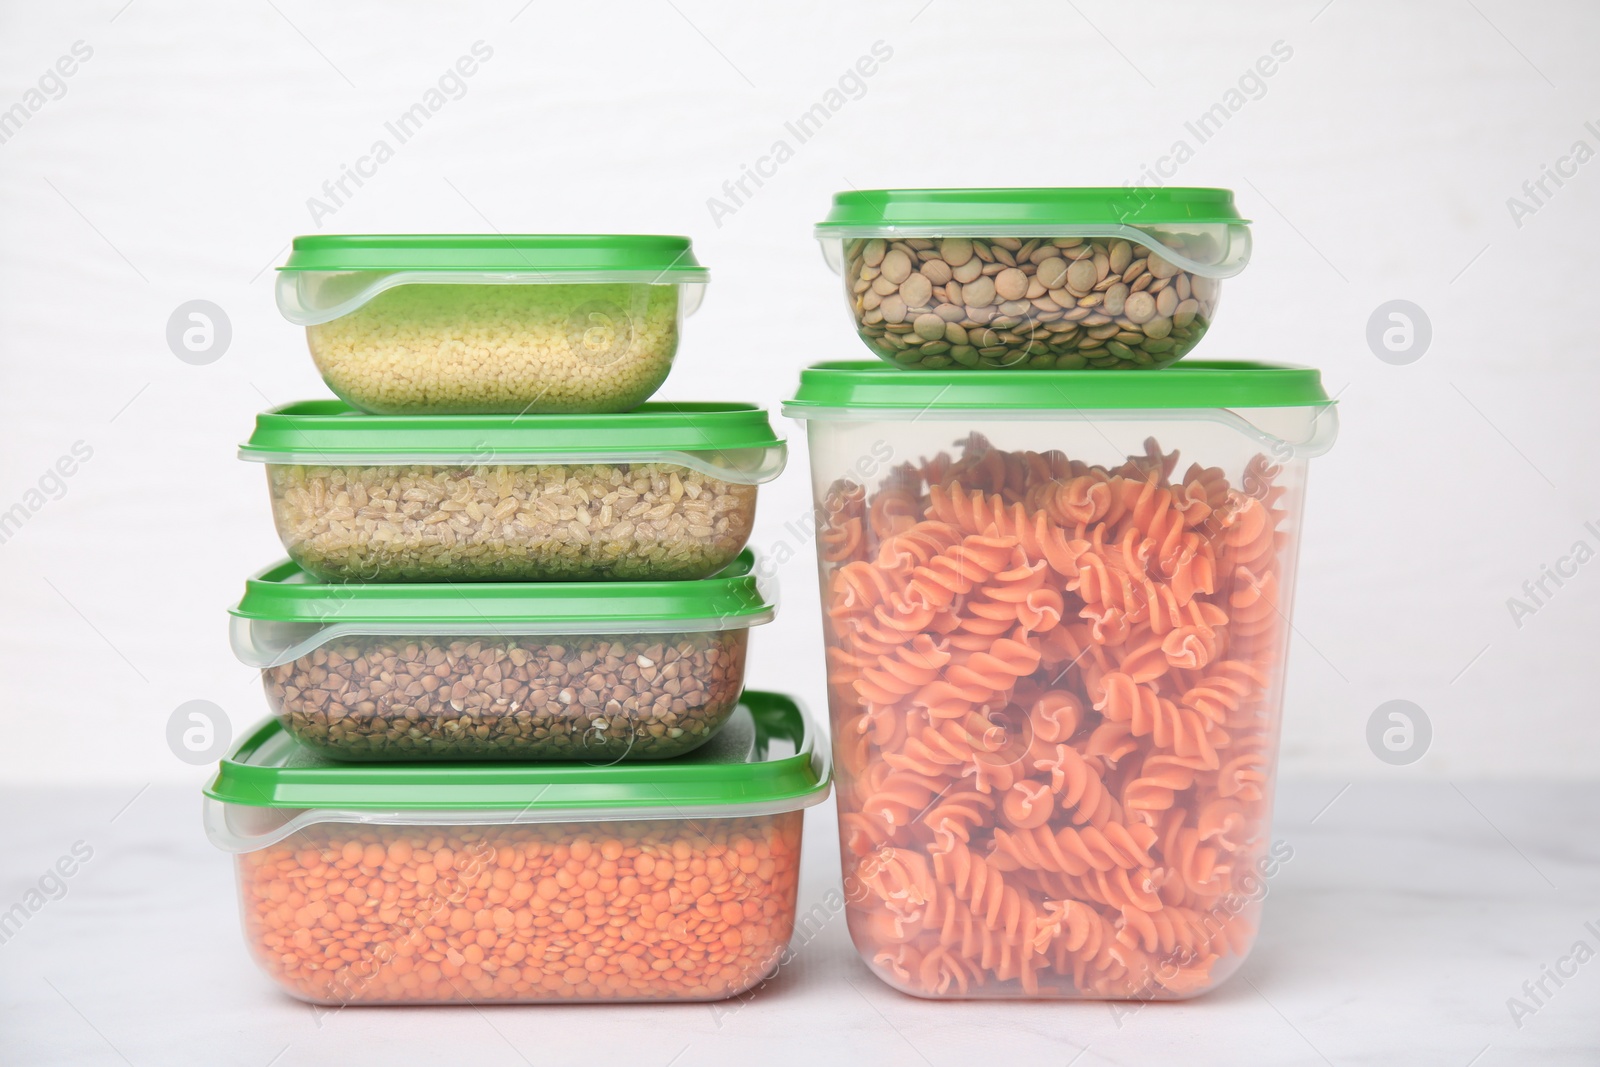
[{"x": 1052, "y": 688}]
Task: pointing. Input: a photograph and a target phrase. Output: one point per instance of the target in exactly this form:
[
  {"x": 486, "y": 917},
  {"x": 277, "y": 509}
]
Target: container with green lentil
[
  {"x": 1034, "y": 278},
  {"x": 491, "y": 323},
  {"x": 664, "y": 492},
  {"x": 500, "y": 671}
]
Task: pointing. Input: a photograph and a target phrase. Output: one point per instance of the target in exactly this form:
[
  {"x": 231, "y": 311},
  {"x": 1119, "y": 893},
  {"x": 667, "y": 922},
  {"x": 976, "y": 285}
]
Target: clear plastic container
[
  {"x": 1034, "y": 278},
  {"x": 503, "y": 671},
  {"x": 491, "y": 323},
  {"x": 665, "y": 492},
  {"x": 1055, "y": 658},
  {"x": 522, "y": 883}
]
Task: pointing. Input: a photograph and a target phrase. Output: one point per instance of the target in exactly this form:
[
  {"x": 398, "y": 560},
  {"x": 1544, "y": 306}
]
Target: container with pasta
[
  {"x": 1055, "y": 611},
  {"x": 666, "y": 492},
  {"x": 497, "y": 883}
]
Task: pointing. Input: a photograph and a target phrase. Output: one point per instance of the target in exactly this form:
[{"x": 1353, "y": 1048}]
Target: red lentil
[{"x": 654, "y": 910}]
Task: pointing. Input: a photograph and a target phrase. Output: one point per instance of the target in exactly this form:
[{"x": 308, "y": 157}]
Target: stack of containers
[
  {"x": 1056, "y": 651},
  {"x": 511, "y": 757}
]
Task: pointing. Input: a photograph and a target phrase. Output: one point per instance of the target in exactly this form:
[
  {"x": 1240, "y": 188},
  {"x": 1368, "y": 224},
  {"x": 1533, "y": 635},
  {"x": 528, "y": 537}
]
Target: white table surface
[{"x": 1407, "y": 917}]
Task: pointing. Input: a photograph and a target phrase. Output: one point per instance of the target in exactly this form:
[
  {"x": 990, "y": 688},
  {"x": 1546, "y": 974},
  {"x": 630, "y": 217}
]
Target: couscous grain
[
  {"x": 531, "y": 523},
  {"x": 498, "y": 349}
]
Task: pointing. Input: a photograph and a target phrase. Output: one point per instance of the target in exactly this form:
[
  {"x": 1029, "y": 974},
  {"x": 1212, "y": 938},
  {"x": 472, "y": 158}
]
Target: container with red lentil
[
  {"x": 596, "y": 671},
  {"x": 673, "y": 880}
]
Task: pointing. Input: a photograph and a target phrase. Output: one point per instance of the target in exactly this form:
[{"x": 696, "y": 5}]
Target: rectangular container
[
  {"x": 1055, "y": 665},
  {"x": 410, "y": 324},
  {"x": 505, "y": 670},
  {"x": 666, "y": 492},
  {"x": 1034, "y": 278},
  {"x": 522, "y": 883}
]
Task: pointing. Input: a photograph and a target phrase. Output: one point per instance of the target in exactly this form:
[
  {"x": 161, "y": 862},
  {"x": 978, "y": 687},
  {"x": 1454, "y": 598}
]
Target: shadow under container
[
  {"x": 410, "y": 324},
  {"x": 522, "y": 883},
  {"x": 1055, "y": 665},
  {"x": 663, "y": 493},
  {"x": 1034, "y": 279},
  {"x": 500, "y": 670}
]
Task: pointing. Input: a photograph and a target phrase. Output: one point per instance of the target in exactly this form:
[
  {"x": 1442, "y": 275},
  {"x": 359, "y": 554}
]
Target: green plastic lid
[
  {"x": 657, "y": 258},
  {"x": 873, "y": 386},
  {"x": 864, "y": 211},
  {"x": 735, "y": 442},
  {"x": 767, "y": 758},
  {"x": 1198, "y": 230},
  {"x": 1283, "y": 408},
  {"x": 286, "y": 613}
]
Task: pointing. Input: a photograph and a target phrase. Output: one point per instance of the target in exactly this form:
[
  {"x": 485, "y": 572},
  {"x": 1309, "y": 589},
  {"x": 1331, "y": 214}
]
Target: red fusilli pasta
[{"x": 1052, "y": 688}]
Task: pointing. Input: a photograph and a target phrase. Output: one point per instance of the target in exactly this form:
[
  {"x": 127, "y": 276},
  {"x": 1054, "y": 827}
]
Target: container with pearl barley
[
  {"x": 475, "y": 324},
  {"x": 500, "y": 671},
  {"x": 1034, "y": 278},
  {"x": 664, "y": 492}
]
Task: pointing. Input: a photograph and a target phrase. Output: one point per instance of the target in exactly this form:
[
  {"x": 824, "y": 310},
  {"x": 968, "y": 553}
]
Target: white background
[{"x": 1377, "y": 164}]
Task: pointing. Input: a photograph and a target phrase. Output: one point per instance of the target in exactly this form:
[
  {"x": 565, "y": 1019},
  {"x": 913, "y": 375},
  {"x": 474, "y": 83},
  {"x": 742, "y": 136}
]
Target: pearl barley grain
[
  {"x": 530, "y": 523},
  {"x": 515, "y": 348}
]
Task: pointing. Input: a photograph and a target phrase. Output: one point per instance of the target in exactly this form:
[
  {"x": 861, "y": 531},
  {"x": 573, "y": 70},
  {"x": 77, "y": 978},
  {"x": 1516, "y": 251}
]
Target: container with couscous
[{"x": 486, "y": 323}]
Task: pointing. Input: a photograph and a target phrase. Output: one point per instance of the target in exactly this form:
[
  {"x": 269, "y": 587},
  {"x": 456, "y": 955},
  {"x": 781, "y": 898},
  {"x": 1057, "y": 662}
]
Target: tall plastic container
[{"x": 1055, "y": 662}]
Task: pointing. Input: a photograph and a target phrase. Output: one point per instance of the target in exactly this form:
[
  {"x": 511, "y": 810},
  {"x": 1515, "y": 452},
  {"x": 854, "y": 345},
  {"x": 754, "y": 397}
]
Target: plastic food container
[
  {"x": 481, "y": 323},
  {"x": 501, "y": 670},
  {"x": 1055, "y": 658},
  {"x": 664, "y": 492},
  {"x": 522, "y": 883},
  {"x": 1034, "y": 278}
]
